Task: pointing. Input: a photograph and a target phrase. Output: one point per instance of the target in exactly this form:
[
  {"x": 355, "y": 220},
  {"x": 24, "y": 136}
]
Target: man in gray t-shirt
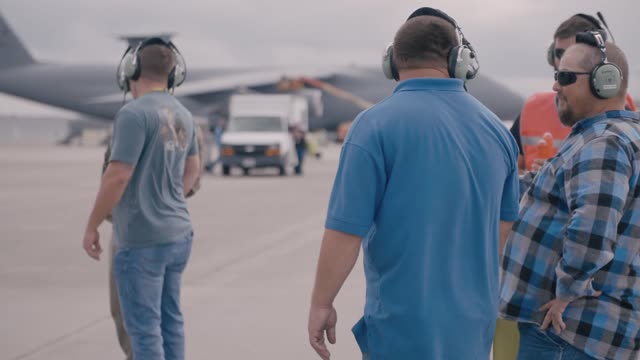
[
  {"x": 155, "y": 135},
  {"x": 154, "y": 163}
]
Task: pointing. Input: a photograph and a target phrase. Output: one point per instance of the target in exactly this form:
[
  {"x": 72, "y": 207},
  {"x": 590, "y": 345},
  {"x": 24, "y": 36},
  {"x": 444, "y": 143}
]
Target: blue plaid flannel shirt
[{"x": 578, "y": 231}]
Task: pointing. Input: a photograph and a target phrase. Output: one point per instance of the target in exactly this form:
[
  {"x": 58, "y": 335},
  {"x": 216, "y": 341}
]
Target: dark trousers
[{"x": 300, "y": 150}]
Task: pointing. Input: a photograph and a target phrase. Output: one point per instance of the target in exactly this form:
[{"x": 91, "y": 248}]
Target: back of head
[
  {"x": 424, "y": 42},
  {"x": 156, "y": 62},
  {"x": 576, "y": 24}
]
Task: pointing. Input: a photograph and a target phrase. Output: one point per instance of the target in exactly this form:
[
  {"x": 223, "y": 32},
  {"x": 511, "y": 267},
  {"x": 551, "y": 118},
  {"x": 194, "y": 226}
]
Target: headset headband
[
  {"x": 599, "y": 24},
  {"x": 427, "y": 11},
  {"x": 597, "y": 39}
]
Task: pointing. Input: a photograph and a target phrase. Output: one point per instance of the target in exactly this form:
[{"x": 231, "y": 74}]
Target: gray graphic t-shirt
[{"x": 154, "y": 134}]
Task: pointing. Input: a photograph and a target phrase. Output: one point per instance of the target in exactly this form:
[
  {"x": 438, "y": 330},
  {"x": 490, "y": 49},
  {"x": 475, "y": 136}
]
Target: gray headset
[
  {"x": 129, "y": 67},
  {"x": 462, "y": 59},
  {"x": 605, "y": 78}
]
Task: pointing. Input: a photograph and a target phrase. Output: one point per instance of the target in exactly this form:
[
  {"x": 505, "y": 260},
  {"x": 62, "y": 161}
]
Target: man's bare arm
[
  {"x": 338, "y": 255},
  {"x": 505, "y": 229},
  {"x": 114, "y": 182},
  {"x": 191, "y": 173}
]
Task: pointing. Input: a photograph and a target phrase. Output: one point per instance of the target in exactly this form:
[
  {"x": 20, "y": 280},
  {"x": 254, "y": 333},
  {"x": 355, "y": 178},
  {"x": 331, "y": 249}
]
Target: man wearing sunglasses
[
  {"x": 571, "y": 261},
  {"x": 539, "y": 114}
]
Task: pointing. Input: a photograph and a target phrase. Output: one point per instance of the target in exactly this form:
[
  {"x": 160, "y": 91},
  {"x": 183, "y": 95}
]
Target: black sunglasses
[
  {"x": 558, "y": 53},
  {"x": 565, "y": 78}
]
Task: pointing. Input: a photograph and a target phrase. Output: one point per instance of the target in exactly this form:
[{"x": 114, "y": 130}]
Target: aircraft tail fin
[{"x": 13, "y": 51}]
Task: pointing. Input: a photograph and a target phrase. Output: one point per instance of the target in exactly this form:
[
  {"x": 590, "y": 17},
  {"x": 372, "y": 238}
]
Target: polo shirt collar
[{"x": 441, "y": 84}]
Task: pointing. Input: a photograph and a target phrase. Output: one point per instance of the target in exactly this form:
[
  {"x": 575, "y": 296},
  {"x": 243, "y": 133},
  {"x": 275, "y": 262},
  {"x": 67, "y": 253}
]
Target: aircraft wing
[{"x": 231, "y": 82}]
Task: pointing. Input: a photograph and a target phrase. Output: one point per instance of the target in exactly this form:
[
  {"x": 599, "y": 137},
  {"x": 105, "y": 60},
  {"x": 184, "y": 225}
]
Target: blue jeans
[
  {"x": 536, "y": 344},
  {"x": 148, "y": 281}
]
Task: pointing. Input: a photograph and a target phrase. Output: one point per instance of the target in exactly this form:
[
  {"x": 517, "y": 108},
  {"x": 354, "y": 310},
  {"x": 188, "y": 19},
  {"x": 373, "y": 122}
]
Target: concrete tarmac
[{"x": 246, "y": 290}]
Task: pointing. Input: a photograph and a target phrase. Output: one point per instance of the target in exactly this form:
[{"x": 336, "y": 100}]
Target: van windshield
[{"x": 255, "y": 123}]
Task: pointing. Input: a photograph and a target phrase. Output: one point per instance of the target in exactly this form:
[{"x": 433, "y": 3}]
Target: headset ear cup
[
  {"x": 460, "y": 61},
  {"x": 551, "y": 55},
  {"x": 471, "y": 59},
  {"x": 605, "y": 81},
  {"x": 394, "y": 69},
  {"x": 128, "y": 65},
  {"x": 131, "y": 66},
  {"x": 171, "y": 79},
  {"x": 126, "y": 70},
  {"x": 137, "y": 69},
  {"x": 178, "y": 74},
  {"x": 388, "y": 66},
  {"x": 452, "y": 61},
  {"x": 121, "y": 77}
]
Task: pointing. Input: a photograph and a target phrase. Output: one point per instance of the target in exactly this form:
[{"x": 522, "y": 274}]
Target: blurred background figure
[
  {"x": 216, "y": 129},
  {"x": 299, "y": 137}
]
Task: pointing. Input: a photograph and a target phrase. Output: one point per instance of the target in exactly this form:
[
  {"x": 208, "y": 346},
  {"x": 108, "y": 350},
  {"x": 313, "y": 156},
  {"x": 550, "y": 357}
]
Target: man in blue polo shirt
[{"x": 428, "y": 184}]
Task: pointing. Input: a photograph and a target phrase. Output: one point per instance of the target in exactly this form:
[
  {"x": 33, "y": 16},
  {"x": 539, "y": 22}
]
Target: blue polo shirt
[{"x": 425, "y": 176}]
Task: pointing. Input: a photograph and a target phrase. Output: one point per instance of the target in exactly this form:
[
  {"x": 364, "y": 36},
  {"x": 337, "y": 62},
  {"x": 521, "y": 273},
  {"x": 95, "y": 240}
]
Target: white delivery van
[{"x": 257, "y": 133}]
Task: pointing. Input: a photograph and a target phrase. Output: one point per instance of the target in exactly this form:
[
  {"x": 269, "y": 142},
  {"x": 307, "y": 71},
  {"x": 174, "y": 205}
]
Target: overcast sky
[{"x": 510, "y": 36}]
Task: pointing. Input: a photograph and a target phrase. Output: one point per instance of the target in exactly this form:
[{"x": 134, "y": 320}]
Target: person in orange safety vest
[{"x": 539, "y": 116}]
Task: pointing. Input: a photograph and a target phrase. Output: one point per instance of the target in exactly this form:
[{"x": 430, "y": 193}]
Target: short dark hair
[
  {"x": 156, "y": 62},
  {"x": 574, "y": 25},
  {"x": 423, "y": 41}
]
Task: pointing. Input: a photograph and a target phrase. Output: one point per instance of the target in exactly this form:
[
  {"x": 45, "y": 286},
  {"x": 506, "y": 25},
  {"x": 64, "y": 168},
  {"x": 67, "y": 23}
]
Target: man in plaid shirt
[{"x": 572, "y": 260}]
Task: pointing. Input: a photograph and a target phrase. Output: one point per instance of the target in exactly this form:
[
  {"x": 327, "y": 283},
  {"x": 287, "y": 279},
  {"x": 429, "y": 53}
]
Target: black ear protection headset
[
  {"x": 597, "y": 24},
  {"x": 605, "y": 78},
  {"x": 462, "y": 59},
  {"x": 130, "y": 69}
]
